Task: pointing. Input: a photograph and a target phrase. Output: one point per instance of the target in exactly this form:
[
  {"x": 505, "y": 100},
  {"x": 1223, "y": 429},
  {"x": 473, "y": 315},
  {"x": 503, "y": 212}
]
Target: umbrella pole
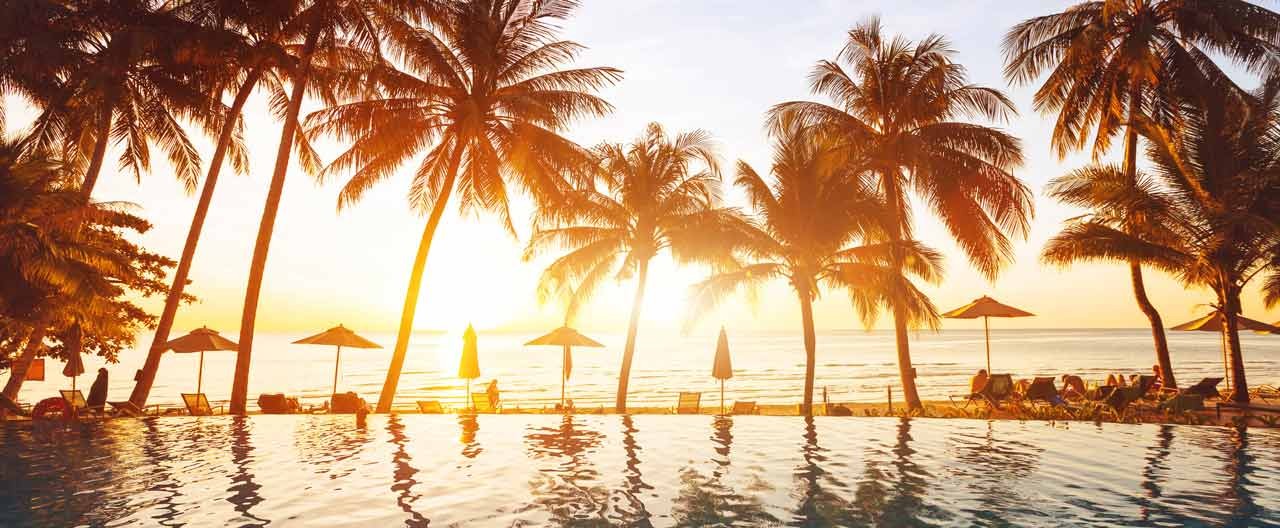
[
  {"x": 200, "y": 373},
  {"x": 721, "y": 397},
  {"x": 564, "y": 362},
  {"x": 337, "y": 360},
  {"x": 469, "y": 406},
  {"x": 986, "y": 332}
]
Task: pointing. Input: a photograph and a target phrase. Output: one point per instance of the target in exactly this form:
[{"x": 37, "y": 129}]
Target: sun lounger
[
  {"x": 75, "y": 398},
  {"x": 430, "y": 407},
  {"x": 1206, "y": 388},
  {"x": 1182, "y": 403},
  {"x": 998, "y": 389},
  {"x": 7, "y": 405},
  {"x": 1043, "y": 390},
  {"x": 197, "y": 404},
  {"x": 126, "y": 408},
  {"x": 745, "y": 407},
  {"x": 97, "y": 402},
  {"x": 480, "y": 403},
  {"x": 1123, "y": 398},
  {"x": 689, "y": 403},
  {"x": 1266, "y": 393},
  {"x": 278, "y": 404},
  {"x": 346, "y": 403}
]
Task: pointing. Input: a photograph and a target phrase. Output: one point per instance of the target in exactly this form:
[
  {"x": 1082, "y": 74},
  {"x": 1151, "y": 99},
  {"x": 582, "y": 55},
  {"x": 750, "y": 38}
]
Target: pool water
[{"x": 544, "y": 470}]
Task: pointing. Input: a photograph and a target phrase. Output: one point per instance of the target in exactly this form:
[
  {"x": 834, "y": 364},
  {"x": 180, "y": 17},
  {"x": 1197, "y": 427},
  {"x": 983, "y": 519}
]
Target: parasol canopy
[
  {"x": 469, "y": 366},
  {"x": 567, "y": 338},
  {"x": 986, "y": 308},
  {"x": 75, "y": 364},
  {"x": 722, "y": 368},
  {"x": 339, "y": 336},
  {"x": 1213, "y": 323},
  {"x": 201, "y": 340}
]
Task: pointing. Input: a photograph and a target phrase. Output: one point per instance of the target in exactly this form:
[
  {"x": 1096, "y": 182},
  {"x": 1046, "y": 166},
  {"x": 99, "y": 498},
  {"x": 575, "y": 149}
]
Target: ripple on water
[{"x": 534, "y": 470}]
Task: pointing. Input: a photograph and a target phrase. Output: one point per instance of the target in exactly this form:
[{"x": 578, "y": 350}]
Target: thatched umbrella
[
  {"x": 986, "y": 308},
  {"x": 1213, "y": 323},
  {"x": 201, "y": 340},
  {"x": 722, "y": 368},
  {"x": 566, "y": 338},
  {"x": 469, "y": 367},
  {"x": 338, "y": 336}
]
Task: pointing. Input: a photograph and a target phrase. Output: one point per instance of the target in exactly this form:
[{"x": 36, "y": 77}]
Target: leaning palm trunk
[
  {"x": 240, "y": 385},
  {"x": 147, "y": 375},
  {"x": 906, "y": 372},
  {"x": 629, "y": 351},
  {"x": 18, "y": 371},
  {"x": 405, "y": 331},
  {"x": 1135, "y": 269},
  {"x": 810, "y": 349},
  {"x": 99, "y": 152}
]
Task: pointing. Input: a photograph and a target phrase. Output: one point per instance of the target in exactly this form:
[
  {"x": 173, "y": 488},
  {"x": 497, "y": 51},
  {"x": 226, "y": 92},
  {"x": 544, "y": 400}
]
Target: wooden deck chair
[
  {"x": 127, "y": 408},
  {"x": 999, "y": 388},
  {"x": 688, "y": 403},
  {"x": 1043, "y": 390},
  {"x": 1206, "y": 388},
  {"x": 75, "y": 398},
  {"x": 278, "y": 403},
  {"x": 480, "y": 403},
  {"x": 1123, "y": 398},
  {"x": 745, "y": 407},
  {"x": 431, "y": 407},
  {"x": 197, "y": 404}
]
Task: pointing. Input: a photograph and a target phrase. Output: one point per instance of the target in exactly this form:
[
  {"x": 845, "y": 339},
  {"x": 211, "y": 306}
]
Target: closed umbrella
[
  {"x": 201, "y": 340},
  {"x": 469, "y": 367},
  {"x": 986, "y": 308},
  {"x": 75, "y": 364},
  {"x": 722, "y": 368},
  {"x": 1213, "y": 323},
  {"x": 566, "y": 338},
  {"x": 338, "y": 336}
]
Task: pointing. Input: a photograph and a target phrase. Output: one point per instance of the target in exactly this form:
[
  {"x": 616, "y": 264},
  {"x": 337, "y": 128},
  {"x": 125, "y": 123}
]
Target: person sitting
[
  {"x": 492, "y": 392},
  {"x": 1111, "y": 381},
  {"x": 97, "y": 400},
  {"x": 978, "y": 381},
  {"x": 1020, "y": 387},
  {"x": 1159, "y": 374},
  {"x": 1072, "y": 386}
]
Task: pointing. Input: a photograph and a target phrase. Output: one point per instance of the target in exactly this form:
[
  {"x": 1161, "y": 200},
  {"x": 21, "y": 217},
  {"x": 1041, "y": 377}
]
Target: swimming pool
[{"x": 544, "y": 470}]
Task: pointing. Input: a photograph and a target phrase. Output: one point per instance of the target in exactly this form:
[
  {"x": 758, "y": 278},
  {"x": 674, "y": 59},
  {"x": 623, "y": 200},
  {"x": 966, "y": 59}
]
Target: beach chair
[
  {"x": 197, "y": 404},
  {"x": 278, "y": 403},
  {"x": 127, "y": 408},
  {"x": 1266, "y": 393},
  {"x": 75, "y": 398},
  {"x": 1205, "y": 388},
  {"x": 1123, "y": 398},
  {"x": 998, "y": 389},
  {"x": 745, "y": 407},
  {"x": 431, "y": 407},
  {"x": 480, "y": 404},
  {"x": 7, "y": 405},
  {"x": 689, "y": 403},
  {"x": 1182, "y": 403},
  {"x": 97, "y": 402},
  {"x": 346, "y": 403},
  {"x": 1043, "y": 390}
]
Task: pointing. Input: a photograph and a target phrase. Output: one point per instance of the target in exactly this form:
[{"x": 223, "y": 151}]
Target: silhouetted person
[
  {"x": 1072, "y": 384},
  {"x": 98, "y": 392},
  {"x": 492, "y": 392},
  {"x": 1159, "y": 374},
  {"x": 978, "y": 381}
]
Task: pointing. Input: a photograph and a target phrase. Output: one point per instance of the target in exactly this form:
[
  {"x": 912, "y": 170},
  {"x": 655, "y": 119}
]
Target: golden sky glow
[{"x": 712, "y": 65}]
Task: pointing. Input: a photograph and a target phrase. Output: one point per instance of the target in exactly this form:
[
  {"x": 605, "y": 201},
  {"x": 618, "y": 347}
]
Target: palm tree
[
  {"x": 483, "y": 104},
  {"x": 68, "y": 274},
  {"x": 660, "y": 193},
  {"x": 1109, "y": 62},
  {"x": 1212, "y": 195},
  {"x": 821, "y": 223},
  {"x": 332, "y": 44},
  {"x": 904, "y": 105},
  {"x": 115, "y": 80}
]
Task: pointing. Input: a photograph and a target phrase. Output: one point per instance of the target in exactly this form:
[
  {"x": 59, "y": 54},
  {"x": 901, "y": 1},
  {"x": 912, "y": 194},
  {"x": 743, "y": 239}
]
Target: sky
[{"x": 715, "y": 65}]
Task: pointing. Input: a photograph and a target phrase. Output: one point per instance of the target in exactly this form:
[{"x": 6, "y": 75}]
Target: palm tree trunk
[
  {"x": 257, "y": 267},
  {"x": 99, "y": 152},
  {"x": 810, "y": 348},
  {"x": 628, "y": 352},
  {"x": 147, "y": 375},
  {"x": 407, "y": 314},
  {"x": 1231, "y": 328},
  {"x": 906, "y": 372},
  {"x": 18, "y": 371},
  {"x": 1135, "y": 268}
]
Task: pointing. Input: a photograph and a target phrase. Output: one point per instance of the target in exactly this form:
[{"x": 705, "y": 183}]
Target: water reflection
[
  {"x": 708, "y": 500},
  {"x": 818, "y": 505},
  {"x": 1240, "y": 468},
  {"x": 567, "y": 484},
  {"x": 157, "y": 452},
  {"x": 470, "y": 425},
  {"x": 1155, "y": 465},
  {"x": 998, "y": 471},
  {"x": 632, "y": 506},
  {"x": 244, "y": 490},
  {"x": 403, "y": 473}
]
